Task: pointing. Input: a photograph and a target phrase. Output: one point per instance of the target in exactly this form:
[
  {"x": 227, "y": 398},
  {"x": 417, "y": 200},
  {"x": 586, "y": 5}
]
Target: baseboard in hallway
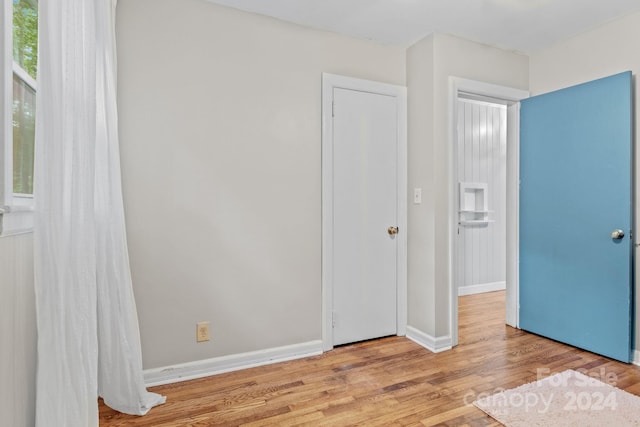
[{"x": 481, "y": 288}]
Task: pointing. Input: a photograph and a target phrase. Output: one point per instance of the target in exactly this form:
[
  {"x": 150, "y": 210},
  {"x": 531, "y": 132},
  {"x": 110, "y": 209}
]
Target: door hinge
[
  {"x": 333, "y": 108},
  {"x": 333, "y": 319}
]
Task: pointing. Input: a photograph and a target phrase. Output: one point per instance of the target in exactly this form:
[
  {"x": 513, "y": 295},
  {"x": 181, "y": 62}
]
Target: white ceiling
[{"x": 521, "y": 25}]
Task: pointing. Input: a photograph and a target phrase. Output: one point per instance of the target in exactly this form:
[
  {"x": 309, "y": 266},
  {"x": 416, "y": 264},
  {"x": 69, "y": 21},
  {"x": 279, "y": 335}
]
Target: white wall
[
  {"x": 457, "y": 57},
  {"x": 17, "y": 331},
  {"x": 604, "y": 51},
  {"x": 482, "y": 158},
  {"x": 220, "y": 138}
]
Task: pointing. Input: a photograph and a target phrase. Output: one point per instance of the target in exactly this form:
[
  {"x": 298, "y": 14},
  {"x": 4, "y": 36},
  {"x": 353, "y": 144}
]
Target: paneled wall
[
  {"x": 482, "y": 160},
  {"x": 17, "y": 332}
]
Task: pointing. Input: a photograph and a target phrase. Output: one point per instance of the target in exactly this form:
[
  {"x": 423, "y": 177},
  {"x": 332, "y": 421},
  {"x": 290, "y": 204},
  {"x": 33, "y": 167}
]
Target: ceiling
[{"x": 521, "y": 25}]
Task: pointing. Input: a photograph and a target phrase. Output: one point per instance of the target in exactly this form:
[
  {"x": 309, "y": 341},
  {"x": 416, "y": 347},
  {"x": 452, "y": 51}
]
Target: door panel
[
  {"x": 365, "y": 203},
  {"x": 575, "y": 189}
]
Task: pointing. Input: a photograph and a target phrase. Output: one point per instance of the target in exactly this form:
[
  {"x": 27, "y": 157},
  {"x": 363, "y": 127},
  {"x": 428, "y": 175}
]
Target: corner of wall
[
  {"x": 421, "y": 249},
  {"x": 428, "y": 341}
]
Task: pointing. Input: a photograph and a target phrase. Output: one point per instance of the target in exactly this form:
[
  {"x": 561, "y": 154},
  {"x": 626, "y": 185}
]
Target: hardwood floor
[{"x": 386, "y": 382}]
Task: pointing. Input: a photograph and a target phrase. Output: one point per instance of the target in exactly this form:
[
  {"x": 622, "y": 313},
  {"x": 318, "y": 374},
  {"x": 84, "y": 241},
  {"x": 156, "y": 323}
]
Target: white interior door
[{"x": 365, "y": 185}]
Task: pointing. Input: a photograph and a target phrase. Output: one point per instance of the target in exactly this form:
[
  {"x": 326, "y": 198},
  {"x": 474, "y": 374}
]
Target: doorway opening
[{"x": 483, "y": 193}]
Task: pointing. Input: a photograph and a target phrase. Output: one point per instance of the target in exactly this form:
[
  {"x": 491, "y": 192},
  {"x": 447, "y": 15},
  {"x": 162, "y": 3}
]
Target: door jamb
[
  {"x": 329, "y": 83},
  {"x": 510, "y": 97}
]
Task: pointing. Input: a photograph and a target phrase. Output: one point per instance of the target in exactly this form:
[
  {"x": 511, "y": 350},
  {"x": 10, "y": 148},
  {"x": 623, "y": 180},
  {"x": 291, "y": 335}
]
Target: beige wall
[
  {"x": 607, "y": 50},
  {"x": 220, "y": 138},
  {"x": 457, "y": 57},
  {"x": 420, "y": 241},
  {"x": 17, "y": 332}
]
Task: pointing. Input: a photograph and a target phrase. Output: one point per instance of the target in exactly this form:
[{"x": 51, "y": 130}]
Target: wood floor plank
[{"x": 386, "y": 382}]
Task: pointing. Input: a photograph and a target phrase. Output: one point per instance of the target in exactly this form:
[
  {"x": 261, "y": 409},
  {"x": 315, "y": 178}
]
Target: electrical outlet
[{"x": 202, "y": 332}]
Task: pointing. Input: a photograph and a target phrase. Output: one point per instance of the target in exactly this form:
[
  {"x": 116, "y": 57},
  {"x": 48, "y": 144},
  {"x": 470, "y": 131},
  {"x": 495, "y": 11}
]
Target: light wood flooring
[{"x": 386, "y": 382}]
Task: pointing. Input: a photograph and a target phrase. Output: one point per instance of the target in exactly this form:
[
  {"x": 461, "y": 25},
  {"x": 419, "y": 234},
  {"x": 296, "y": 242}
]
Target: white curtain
[{"x": 88, "y": 337}]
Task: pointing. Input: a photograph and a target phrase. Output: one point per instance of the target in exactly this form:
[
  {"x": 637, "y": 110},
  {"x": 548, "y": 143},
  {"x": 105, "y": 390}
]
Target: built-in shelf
[
  {"x": 473, "y": 204},
  {"x": 475, "y": 221}
]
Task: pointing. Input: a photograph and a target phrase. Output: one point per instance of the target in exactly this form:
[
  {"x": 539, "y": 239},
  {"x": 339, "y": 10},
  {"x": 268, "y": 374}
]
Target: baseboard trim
[
  {"x": 636, "y": 357},
  {"x": 481, "y": 288},
  {"x": 233, "y": 362},
  {"x": 431, "y": 343}
]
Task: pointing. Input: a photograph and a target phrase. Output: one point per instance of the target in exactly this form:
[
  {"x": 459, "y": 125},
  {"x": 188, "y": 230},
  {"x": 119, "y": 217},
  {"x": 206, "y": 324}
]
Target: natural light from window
[
  {"x": 18, "y": 89},
  {"x": 25, "y": 64}
]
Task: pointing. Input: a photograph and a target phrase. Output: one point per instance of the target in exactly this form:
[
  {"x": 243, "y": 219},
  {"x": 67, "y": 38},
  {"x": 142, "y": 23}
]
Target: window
[
  {"x": 25, "y": 63},
  {"x": 18, "y": 90}
]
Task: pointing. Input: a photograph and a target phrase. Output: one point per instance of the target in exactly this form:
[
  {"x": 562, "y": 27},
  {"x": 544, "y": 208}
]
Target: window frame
[{"x": 16, "y": 210}]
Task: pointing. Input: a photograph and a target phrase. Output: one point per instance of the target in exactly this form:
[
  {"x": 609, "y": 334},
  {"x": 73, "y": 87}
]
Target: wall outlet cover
[{"x": 202, "y": 332}]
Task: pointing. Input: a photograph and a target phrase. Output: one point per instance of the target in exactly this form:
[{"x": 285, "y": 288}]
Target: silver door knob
[
  {"x": 392, "y": 230},
  {"x": 617, "y": 234}
]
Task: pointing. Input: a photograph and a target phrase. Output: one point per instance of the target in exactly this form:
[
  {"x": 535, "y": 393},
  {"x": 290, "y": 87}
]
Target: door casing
[
  {"x": 329, "y": 83},
  {"x": 510, "y": 97}
]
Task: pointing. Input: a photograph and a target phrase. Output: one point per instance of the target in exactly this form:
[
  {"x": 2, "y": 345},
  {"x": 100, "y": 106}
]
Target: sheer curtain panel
[{"x": 88, "y": 337}]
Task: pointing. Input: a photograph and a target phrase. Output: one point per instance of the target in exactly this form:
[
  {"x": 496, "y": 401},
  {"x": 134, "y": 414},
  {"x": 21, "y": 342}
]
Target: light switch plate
[{"x": 417, "y": 196}]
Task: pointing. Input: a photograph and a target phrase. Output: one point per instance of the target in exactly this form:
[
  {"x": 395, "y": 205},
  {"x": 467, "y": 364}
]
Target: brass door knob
[{"x": 392, "y": 230}]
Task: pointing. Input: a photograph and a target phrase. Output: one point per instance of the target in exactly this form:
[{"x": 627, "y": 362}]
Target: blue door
[{"x": 575, "y": 216}]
